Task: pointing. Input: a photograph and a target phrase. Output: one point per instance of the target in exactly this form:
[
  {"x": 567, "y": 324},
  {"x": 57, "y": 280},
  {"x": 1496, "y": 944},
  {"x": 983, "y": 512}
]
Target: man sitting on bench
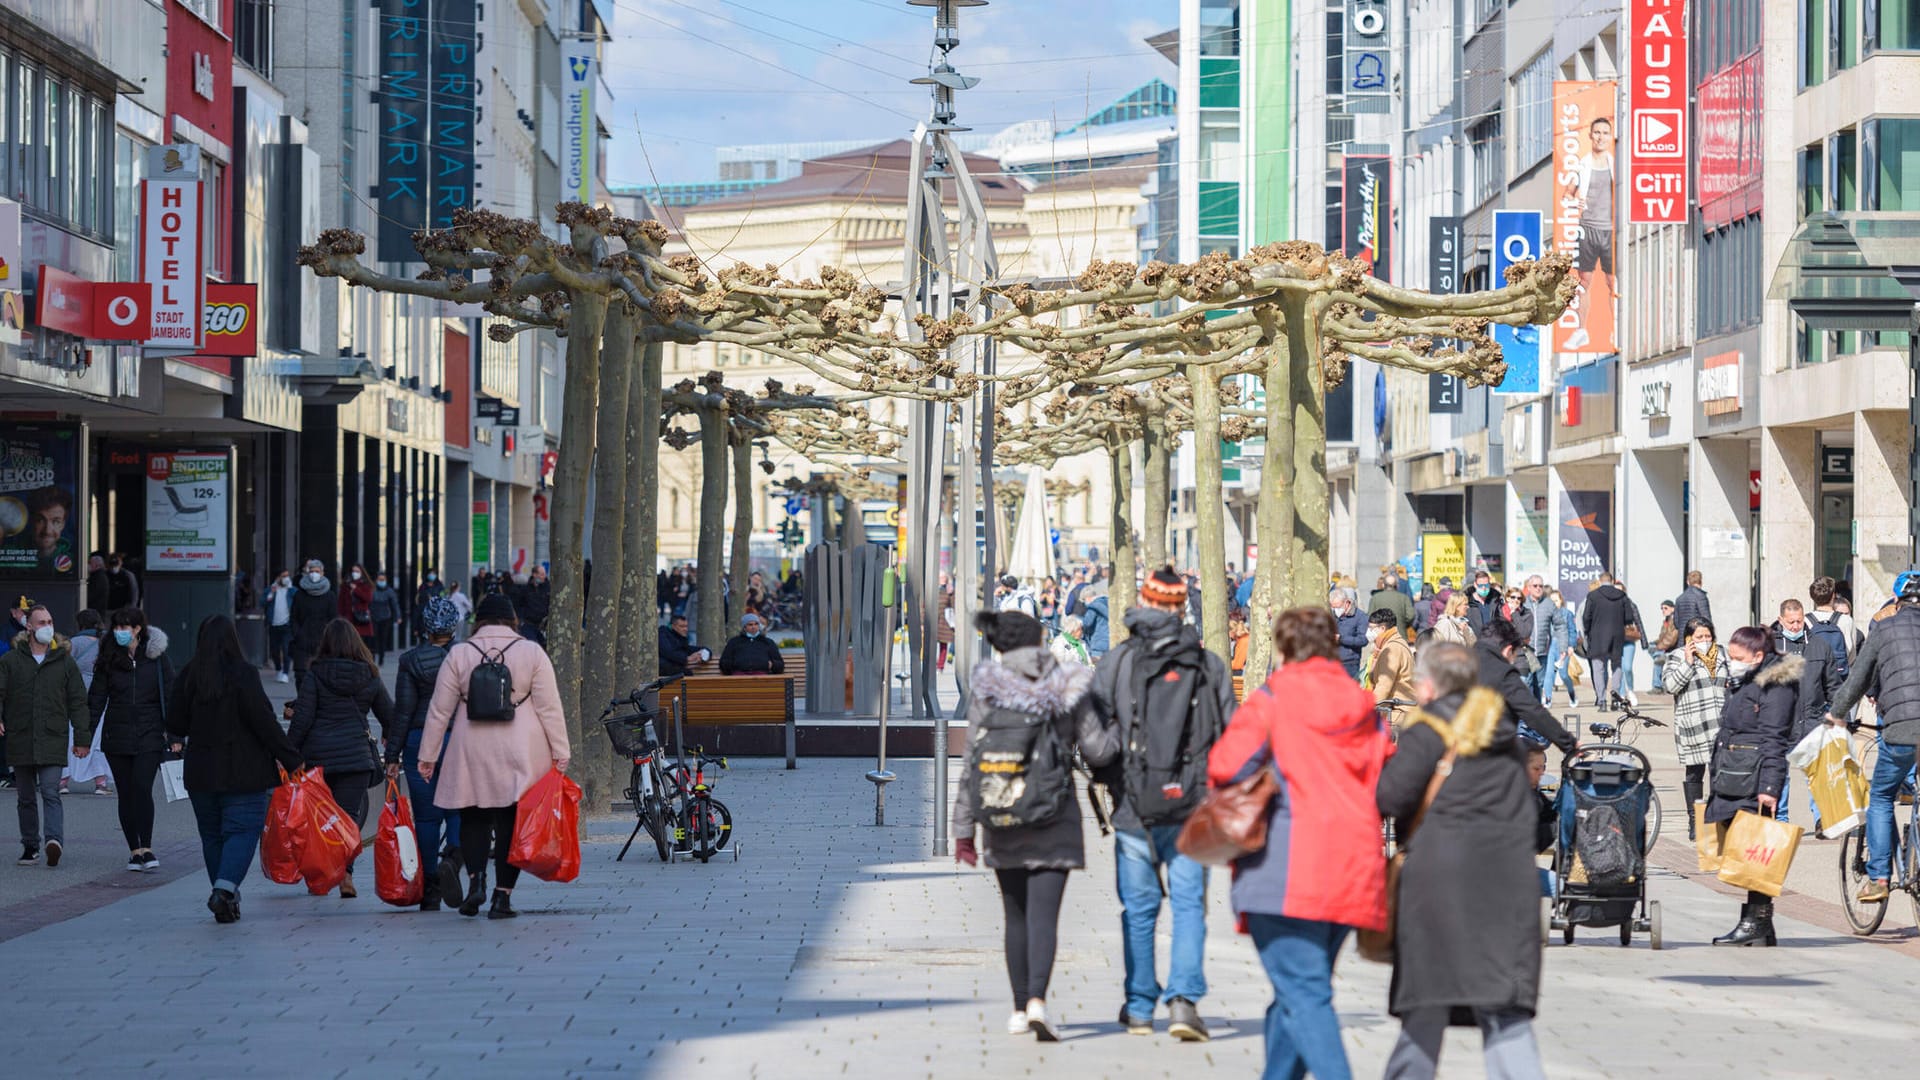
[{"x": 750, "y": 653}]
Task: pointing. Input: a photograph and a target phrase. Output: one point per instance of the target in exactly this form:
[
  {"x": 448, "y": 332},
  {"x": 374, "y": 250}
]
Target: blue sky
[{"x": 687, "y": 76}]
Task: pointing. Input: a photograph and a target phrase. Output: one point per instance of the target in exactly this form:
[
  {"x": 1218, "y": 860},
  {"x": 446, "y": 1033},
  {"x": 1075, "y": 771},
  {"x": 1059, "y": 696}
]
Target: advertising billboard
[
  {"x": 187, "y": 498},
  {"x": 39, "y": 507},
  {"x": 1586, "y": 541},
  {"x": 425, "y": 53},
  {"x": 1367, "y": 212},
  {"x": 1657, "y": 112},
  {"x": 1730, "y": 149},
  {"x": 1586, "y": 176},
  {"x": 1445, "y": 393},
  {"x": 1367, "y": 79},
  {"x": 579, "y": 76},
  {"x": 450, "y": 151},
  {"x": 1516, "y": 238}
]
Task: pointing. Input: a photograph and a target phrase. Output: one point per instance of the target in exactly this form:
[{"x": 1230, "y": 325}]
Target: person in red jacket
[
  {"x": 356, "y": 604},
  {"x": 1321, "y": 874}
]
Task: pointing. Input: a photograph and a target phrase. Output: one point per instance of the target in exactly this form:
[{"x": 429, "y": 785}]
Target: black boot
[
  {"x": 1754, "y": 928},
  {"x": 502, "y": 907},
  {"x": 1763, "y": 918},
  {"x": 222, "y": 905},
  {"x": 430, "y": 893},
  {"x": 476, "y": 895},
  {"x": 449, "y": 874}
]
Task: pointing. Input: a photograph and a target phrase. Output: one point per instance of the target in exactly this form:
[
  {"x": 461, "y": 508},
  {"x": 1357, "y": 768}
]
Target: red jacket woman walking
[
  {"x": 356, "y": 603},
  {"x": 1321, "y": 874}
]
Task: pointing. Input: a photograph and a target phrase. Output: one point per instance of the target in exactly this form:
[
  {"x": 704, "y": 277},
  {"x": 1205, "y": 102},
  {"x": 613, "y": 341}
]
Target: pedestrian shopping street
[{"x": 835, "y": 948}]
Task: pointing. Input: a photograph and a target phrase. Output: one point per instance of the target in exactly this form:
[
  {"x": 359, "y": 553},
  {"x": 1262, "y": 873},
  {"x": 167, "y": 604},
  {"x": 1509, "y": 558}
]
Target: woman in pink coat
[{"x": 489, "y": 764}]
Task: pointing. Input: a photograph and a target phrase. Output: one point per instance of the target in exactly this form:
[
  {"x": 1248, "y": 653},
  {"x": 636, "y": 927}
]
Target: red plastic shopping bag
[
  {"x": 546, "y": 829},
  {"x": 396, "y": 852},
  {"x": 280, "y": 841},
  {"x": 329, "y": 841}
]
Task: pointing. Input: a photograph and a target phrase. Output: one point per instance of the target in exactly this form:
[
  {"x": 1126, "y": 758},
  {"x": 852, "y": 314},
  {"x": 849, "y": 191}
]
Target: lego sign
[
  {"x": 170, "y": 255},
  {"x": 1657, "y": 112},
  {"x": 230, "y": 320}
]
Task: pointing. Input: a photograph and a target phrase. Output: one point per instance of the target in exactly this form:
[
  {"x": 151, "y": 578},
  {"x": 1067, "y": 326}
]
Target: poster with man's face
[
  {"x": 39, "y": 513},
  {"x": 1586, "y": 187}
]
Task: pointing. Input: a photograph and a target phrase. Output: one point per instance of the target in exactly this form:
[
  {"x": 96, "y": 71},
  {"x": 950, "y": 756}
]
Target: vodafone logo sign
[{"x": 122, "y": 311}]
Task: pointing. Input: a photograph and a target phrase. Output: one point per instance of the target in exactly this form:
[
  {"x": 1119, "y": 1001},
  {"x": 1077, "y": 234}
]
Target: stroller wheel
[
  {"x": 1626, "y": 933},
  {"x": 1566, "y": 933}
]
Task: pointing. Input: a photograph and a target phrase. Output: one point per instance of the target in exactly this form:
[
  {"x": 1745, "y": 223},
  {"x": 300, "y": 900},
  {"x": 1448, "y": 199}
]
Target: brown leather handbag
[{"x": 1231, "y": 821}]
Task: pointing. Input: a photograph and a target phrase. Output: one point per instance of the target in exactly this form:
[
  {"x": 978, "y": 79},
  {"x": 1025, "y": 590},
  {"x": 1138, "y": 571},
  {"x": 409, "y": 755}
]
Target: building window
[
  {"x": 1842, "y": 179},
  {"x": 1220, "y": 28},
  {"x": 1813, "y": 180},
  {"x": 1731, "y": 278},
  {"x": 214, "y": 194},
  {"x": 1489, "y": 172},
  {"x": 1813, "y": 38},
  {"x": 1895, "y": 26},
  {"x": 1533, "y": 113},
  {"x": 1219, "y": 148},
  {"x": 1891, "y": 169},
  {"x": 1336, "y": 55},
  {"x": 1843, "y": 43},
  {"x": 253, "y": 34}
]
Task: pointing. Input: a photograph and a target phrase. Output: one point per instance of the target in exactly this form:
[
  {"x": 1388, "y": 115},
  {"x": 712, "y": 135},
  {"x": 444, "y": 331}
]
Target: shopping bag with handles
[
  {"x": 546, "y": 829},
  {"x": 1758, "y": 851},
  {"x": 396, "y": 852}
]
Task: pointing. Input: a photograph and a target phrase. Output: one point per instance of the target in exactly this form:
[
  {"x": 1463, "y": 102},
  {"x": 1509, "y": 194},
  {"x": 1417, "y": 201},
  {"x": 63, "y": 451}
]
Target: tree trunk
[
  {"x": 589, "y": 311},
  {"x": 1310, "y": 516},
  {"x": 640, "y": 599},
  {"x": 1274, "y": 519},
  {"x": 599, "y": 664},
  {"x": 1210, "y": 511},
  {"x": 1158, "y": 503},
  {"x": 1121, "y": 589},
  {"x": 713, "y": 509},
  {"x": 741, "y": 556}
]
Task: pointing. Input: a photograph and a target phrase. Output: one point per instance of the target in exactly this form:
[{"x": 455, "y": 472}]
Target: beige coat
[{"x": 493, "y": 764}]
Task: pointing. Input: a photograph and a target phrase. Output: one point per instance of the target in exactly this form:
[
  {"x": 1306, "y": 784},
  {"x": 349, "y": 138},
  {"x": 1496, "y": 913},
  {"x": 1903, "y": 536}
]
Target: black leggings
[
  {"x": 349, "y": 789},
  {"x": 133, "y": 775},
  {"x": 488, "y": 830},
  {"x": 1031, "y": 899}
]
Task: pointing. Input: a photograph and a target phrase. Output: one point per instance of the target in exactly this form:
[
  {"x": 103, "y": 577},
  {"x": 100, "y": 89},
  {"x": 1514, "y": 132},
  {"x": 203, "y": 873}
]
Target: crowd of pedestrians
[
  {"x": 1426, "y": 709},
  {"x": 109, "y": 701}
]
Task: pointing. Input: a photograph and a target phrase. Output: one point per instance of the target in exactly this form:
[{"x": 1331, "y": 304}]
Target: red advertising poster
[
  {"x": 1657, "y": 111},
  {"x": 1729, "y": 102},
  {"x": 230, "y": 320},
  {"x": 1586, "y": 178}
]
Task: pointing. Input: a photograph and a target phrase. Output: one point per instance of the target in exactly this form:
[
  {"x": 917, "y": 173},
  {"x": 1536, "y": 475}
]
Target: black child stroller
[{"x": 1609, "y": 819}]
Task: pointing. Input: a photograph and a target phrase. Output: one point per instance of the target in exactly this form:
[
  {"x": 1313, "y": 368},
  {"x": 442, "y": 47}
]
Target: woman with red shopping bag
[
  {"x": 235, "y": 752},
  {"x": 496, "y": 693}
]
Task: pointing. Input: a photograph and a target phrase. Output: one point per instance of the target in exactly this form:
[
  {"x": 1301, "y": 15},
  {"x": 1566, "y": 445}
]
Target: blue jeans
[
  {"x": 1559, "y": 661},
  {"x": 1303, "y": 1031},
  {"x": 1626, "y": 668},
  {"x": 428, "y": 819},
  {"x": 1890, "y": 771},
  {"x": 230, "y": 824},
  {"x": 1138, "y": 856}
]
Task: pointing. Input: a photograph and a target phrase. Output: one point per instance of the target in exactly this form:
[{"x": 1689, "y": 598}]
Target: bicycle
[
  {"x": 1865, "y": 917},
  {"x": 1632, "y": 721},
  {"x": 705, "y": 825},
  {"x": 651, "y": 788}
]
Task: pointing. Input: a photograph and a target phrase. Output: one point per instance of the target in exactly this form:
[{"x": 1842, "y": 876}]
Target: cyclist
[{"x": 1889, "y": 665}]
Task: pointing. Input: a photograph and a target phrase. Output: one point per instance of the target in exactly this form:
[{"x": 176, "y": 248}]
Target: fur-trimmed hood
[
  {"x": 1475, "y": 721},
  {"x": 1031, "y": 680},
  {"x": 1784, "y": 669},
  {"x": 24, "y": 640}
]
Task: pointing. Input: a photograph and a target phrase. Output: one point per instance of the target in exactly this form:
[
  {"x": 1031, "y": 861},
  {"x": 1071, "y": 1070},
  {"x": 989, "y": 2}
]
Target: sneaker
[
  {"x": 1184, "y": 1023},
  {"x": 29, "y": 856},
  {"x": 149, "y": 862},
  {"x": 135, "y": 863},
  {"x": 1135, "y": 1025},
  {"x": 1038, "y": 1023},
  {"x": 53, "y": 853},
  {"x": 1873, "y": 892},
  {"x": 282, "y": 677},
  {"x": 103, "y": 789},
  {"x": 63, "y": 788},
  {"x": 1017, "y": 1024}
]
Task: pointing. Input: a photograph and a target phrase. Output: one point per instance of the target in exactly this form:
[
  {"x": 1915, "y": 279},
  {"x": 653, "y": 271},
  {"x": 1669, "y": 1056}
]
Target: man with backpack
[{"x": 1170, "y": 698}]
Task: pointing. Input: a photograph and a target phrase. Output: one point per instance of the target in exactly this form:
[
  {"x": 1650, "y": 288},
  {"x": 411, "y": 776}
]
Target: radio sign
[
  {"x": 1657, "y": 112},
  {"x": 170, "y": 255}
]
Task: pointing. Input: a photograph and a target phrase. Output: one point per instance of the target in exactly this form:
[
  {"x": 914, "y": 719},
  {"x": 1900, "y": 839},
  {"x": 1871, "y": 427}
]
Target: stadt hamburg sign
[{"x": 1657, "y": 112}]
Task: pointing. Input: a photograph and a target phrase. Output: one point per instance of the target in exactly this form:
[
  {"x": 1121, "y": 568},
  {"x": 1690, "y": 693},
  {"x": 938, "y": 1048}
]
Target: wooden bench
[
  {"x": 724, "y": 701},
  {"x": 1239, "y": 688}
]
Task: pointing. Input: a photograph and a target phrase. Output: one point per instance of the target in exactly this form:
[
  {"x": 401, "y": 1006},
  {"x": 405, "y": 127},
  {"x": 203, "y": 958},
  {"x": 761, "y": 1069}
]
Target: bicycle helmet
[
  {"x": 1907, "y": 585},
  {"x": 439, "y": 616}
]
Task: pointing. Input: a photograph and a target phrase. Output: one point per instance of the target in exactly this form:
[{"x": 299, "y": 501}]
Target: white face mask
[
  {"x": 356, "y": 575},
  {"x": 1739, "y": 669},
  {"x": 43, "y": 634},
  {"x": 1373, "y": 632},
  {"x": 314, "y": 575}
]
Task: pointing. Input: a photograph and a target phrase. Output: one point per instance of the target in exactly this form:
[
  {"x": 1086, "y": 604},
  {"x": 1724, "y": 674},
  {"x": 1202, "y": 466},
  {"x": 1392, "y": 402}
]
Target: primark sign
[{"x": 425, "y": 109}]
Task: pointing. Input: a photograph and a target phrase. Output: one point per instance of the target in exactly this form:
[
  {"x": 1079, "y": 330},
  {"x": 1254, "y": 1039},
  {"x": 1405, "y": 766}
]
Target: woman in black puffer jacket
[
  {"x": 1749, "y": 767},
  {"x": 412, "y": 694},
  {"x": 131, "y": 680},
  {"x": 330, "y": 721}
]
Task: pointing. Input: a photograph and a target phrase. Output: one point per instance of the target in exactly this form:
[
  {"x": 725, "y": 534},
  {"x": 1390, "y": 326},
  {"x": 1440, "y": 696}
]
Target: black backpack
[
  {"x": 1018, "y": 771},
  {"x": 1166, "y": 759},
  {"x": 1610, "y": 855},
  {"x": 490, "y": 687}
]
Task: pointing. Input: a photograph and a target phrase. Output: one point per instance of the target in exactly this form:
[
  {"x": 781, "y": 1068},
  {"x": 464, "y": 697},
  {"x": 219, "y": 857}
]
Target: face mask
[
  {"x": 1372, "y": 632},
  {"x": 382, "y": 582},
  {"x": 431, "y": 578},
  {"x": 285, "y": 581},
  {"x": 754, "y": 633},
  {"x": 1739, "y": 669},
  {"x": 356, "y": 575},
  {"x": 1485, "y": 589},
  {"x": 1797, "y": 635},
  {"x": 43, "y": 635},
  {"x": 123, "y": 637},
  {"x": 313, "y": 575}
]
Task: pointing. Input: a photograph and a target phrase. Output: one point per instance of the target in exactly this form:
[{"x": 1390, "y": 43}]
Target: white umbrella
[{"x": 1030, "y": 556}]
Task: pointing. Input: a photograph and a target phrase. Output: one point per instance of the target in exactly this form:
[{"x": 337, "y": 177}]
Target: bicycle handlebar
[
  {"x": 1856, "y": 725},
  {"x": 634, "y": 698}
]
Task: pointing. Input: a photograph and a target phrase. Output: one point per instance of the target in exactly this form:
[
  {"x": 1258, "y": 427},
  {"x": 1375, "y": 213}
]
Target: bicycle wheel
[
  {"x": 1654, "y": 817},
  {"x": 1910, "y": 856},
  {"x": 1863, "y": 917},
  {"x": 656, "y": 820},
  {"x": 710, "y": 826}
]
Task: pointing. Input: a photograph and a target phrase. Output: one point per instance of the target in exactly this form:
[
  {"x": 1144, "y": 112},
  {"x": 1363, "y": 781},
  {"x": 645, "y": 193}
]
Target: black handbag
[{"x": 1736, "y": 772}]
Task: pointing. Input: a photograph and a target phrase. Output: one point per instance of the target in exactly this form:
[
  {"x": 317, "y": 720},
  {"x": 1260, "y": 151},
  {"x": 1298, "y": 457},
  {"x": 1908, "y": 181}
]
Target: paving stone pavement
[{"x": 835, "y": 948}]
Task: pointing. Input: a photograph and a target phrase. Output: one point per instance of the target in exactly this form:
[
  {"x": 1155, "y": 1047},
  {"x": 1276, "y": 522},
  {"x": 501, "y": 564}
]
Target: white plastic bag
[
  {"x": 173, "y": 775},
  {"x": 1834, "y": 775}
]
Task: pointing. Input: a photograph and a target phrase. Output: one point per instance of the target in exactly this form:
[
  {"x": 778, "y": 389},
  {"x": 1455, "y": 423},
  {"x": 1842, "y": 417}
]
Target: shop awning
[{"x": 1852, "y": 271}]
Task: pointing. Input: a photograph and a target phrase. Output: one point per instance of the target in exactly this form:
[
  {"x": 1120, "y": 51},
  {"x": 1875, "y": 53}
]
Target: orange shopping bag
[
  {"x": 546, "y": 830},
  {"x": 396, "y": 852},
  {"x": 280, "y": 841},
  {"x": 1757, "y": 852},
  {"x": 329, "y": 840}
]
